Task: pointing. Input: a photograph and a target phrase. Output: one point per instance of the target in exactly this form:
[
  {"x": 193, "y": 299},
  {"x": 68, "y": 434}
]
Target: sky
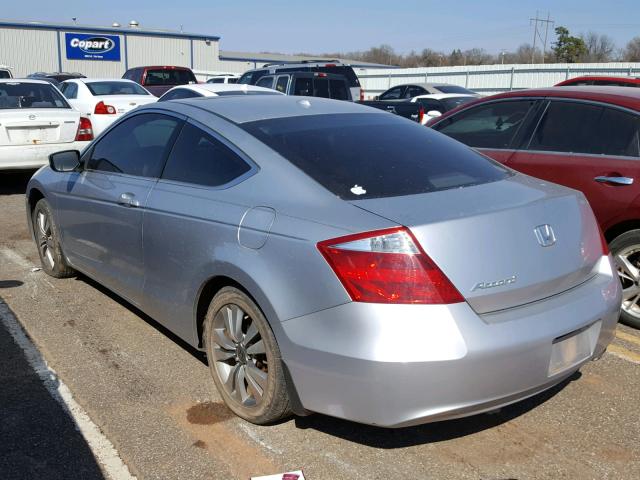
[{"x": 325, "y": 26}]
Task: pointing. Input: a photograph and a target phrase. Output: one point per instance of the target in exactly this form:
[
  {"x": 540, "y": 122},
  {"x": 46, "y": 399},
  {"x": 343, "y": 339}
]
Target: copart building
[{"x": 29, "y": 47}]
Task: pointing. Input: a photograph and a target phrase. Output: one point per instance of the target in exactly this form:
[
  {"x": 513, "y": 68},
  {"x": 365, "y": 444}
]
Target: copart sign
[{"x": 87, "y": 46}]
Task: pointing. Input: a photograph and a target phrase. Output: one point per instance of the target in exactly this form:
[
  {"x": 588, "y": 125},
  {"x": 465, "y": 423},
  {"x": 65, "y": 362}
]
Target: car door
[
  {"x": 101, "y": 208},
  {"x": 590, "y": 147},
  {"x": 189, "y": 218},
  {"x": 494, "y": 128}
]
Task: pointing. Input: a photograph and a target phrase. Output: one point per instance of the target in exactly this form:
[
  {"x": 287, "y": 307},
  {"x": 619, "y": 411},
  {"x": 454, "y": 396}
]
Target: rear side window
[
  {"x": 413, "y": 91},
  {"x": 16, "y": 95},
  {"x": 281, "y": 83},
  {"x": 392, "y": 94},
  {"x": 338, "y": 90},
  {"x": 360, "y": 156},
  {"x": 69, "y": 90},
  {"x": 321, "y": 87},
  {"x": 199, "y": 158},
  {"x": 617, "y": 134},
  {"x": 345, "y": 70},
  {"x": 303, "y": 86},
  {"x": 493, "y": 125},
  {"x": 266, "y": 82},
  {"x": 137, "y": 146},
  {"x": 232, "y": 80},
  {"x": 5, "y": 74},
  {"x": 567, "y": 127},
  {"x": 215, "y": 80}
]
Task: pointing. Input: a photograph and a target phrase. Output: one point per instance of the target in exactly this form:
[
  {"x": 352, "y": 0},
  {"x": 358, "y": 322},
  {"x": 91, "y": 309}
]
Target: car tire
[
  {"x": 244, "y": 358},
  {"x": 625, "y": 249},
  {"x": 47, "y": 238}
]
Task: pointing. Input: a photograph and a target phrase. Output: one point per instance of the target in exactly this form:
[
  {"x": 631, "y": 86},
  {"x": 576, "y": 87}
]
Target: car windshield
[
  {"x": 115, "y": 88},
  {"x": 454, "y": 102},
  {"x": 361, "y": 156},
  {"x": 454, "y": 89},
  {"x": 30, "y": 95},
  {"x": 169, "y": 77}
]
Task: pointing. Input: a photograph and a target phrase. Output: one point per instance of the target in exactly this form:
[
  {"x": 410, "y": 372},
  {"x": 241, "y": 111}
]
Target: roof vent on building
[
  {"x": 115, "y": 25},
  {"x": 133, "y": 24}
]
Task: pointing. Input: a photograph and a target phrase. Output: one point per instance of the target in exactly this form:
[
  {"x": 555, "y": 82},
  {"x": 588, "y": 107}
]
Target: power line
[{"x": 537, "y": 34}]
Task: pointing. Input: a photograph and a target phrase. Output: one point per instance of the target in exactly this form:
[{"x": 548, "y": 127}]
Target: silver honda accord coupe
[{"x": 333, "y": 258}]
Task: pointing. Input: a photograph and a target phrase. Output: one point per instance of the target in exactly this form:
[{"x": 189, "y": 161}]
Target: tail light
[
  {"x": 85, "y": 130},
  {"x": 362, "y": 94},
  {"x": 102, "y": 109},
  {"x": 388, "y": 266},
  {"x": 420, "y": 114}
]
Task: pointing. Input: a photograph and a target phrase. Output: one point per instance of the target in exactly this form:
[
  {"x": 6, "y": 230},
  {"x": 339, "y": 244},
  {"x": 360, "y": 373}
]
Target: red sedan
[
  {"x": 587, "y": 138},
  {"x": 600, "y": 81}
]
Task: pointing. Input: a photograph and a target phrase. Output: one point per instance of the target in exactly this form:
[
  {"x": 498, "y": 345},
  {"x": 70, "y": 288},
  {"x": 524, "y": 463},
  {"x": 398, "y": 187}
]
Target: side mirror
[
  {"x": 65, "y": 161},
  {"x": 434, "y": 113}
]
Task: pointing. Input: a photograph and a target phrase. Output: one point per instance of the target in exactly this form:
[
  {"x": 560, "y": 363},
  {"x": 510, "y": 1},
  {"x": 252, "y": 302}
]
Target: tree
[
  {"x": 631, "y": 52},
  {"x": 568, "y": 49},
  {"x": 600, "y": 48}
]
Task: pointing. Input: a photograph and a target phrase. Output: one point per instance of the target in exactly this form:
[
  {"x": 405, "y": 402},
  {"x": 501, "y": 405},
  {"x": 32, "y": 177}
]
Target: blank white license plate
[{"x": 572, "y": 349}]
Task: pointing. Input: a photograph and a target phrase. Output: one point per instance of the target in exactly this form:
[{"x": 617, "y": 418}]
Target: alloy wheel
[
  {"x": 240, "y": 356},
  {"x": 628, "y": 263},
  {"x": 45, "y": 238}
]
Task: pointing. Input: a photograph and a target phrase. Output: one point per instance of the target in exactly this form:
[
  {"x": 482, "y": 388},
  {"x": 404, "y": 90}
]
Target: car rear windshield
[
  {"x": 115, "y": 88},
  {"x": 176, "y": 76},
  {"x": 454, "y": 89},
  {"x": 361, "y": 156},
  {"x": 30, "y": 95}
]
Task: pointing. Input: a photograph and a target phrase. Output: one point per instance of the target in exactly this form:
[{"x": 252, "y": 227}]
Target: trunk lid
[
  {"x": 483, "y": 238},
  {"x": 125, "y": 103},
  {"x": 37, "y": 126}
]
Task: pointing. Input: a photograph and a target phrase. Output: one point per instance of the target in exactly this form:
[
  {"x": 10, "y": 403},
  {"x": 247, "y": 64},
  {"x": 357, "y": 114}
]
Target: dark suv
[
  {"x": 159, "y": 79},
  {"x": 308, "y": 84},
  {"x": 334, "y": 67}
]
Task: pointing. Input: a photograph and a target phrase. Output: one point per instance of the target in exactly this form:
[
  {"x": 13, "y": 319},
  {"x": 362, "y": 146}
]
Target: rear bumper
[
  {"x": 400, "y": 365},
  {"x": 13, "y": 157}
]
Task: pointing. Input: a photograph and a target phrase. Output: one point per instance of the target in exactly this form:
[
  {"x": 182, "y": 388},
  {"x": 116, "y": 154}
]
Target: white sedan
[
  {"x": 35, "y": 121},
  {"x": 436, "y": 104},
  {"x": 214, "y": 90},
  {"x": 104, "y": 100}
]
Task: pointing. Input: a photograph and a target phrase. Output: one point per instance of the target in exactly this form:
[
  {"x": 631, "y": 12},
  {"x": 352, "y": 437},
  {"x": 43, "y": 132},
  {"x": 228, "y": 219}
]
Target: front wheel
[
  {"x": 626, "y": 252},
  {"x": 244, "y": 358}
]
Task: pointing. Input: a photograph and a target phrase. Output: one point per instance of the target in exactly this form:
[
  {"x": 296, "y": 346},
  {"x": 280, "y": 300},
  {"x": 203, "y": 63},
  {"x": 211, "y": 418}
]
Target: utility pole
[{"x": 537, "y": 34}]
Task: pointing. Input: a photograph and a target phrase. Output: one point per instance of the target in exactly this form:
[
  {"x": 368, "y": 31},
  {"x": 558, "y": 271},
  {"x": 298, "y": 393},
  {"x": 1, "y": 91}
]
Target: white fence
[{"x": 490, "y": 79}]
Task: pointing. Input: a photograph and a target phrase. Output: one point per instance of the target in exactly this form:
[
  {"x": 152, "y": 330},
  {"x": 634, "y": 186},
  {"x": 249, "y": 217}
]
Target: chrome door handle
[
  {"x": 615, "y": 180},
  {"x": 128, "y": 200}
]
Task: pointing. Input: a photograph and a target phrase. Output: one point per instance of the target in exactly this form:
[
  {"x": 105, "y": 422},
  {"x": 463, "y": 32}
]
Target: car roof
[
  {"x": 24, "y": 80},
  {"x": 621, "y": 96},
  {"x": 91, "y": 80},
  {"x": 440, "y": 96},
  {"x": 245, "y": 108},
  {"x": 208, "y": 89},
  {"x": 635, "y": 80}
]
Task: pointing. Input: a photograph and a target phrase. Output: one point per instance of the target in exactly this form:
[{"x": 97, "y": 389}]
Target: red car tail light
[
  {"x": 388, "y": 266},
  {"x": 85, "y": 130},
  {"x": 421, "y": 114},
  {"x": 362, "y": 94},
  {"x": 102, "y": 109}
]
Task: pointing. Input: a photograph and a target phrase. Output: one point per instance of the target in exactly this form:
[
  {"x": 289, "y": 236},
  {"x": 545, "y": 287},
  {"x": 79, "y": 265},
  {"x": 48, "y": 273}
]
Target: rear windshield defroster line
[{"x": 362, "y": 156}]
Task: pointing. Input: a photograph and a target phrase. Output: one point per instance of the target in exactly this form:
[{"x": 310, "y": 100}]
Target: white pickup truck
[{"x": 35, "y": 121}]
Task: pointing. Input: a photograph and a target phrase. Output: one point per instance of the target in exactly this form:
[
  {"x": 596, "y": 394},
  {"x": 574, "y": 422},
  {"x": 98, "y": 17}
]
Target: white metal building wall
[
  {"x": 26, "y": 51},
  {"x": 489, "y": 79},
  {"x": 205, "y": 55},
  {"x": 145, "y": 50}
]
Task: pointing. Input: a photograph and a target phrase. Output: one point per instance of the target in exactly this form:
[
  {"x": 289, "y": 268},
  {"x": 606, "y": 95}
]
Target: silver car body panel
[{"x": 389, "y": 365}]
